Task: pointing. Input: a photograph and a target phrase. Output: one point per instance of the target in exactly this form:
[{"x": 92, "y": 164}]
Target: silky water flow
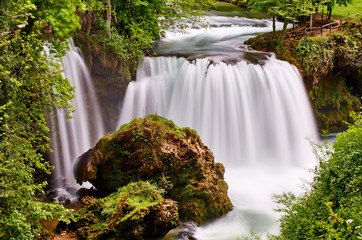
[
  {"x": 72, "y": 137},
  {"x": 249, "y": 108}
]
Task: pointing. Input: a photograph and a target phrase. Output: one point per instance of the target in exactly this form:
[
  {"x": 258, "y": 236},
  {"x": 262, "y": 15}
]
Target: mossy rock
[
  {"x": 153, "y": 149},
  {"x": 136, "y": 211}
]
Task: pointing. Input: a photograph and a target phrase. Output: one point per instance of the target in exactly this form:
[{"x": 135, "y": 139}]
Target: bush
[{"x": 332, "y": 208}]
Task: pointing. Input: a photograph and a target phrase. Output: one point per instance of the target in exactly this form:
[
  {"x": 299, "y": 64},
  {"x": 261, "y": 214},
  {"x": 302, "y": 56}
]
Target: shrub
[{"x": 332, "y": 208}]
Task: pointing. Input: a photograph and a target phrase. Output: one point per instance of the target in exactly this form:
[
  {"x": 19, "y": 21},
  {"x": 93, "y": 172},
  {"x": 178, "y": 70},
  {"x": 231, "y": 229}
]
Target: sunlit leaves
[{"x": 29, "y": 83}]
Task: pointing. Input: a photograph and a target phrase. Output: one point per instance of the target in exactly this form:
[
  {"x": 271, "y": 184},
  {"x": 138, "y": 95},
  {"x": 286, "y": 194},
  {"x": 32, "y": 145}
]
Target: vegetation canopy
[
  {"x": 30, "y": 85},
  {"x": 128, "y": 28}
]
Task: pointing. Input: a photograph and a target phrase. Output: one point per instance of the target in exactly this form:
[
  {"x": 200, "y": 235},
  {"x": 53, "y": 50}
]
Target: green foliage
[
  {"x": 135, "y": 25},
  {"x": 315, "y": 53},
  {"x": 30, "y": 86},
  {"x": 120, "y": 210},
  {"x": 332, "y": 208},
  {"x": 122, "y": 46},
  {"x": 344, "y": 11},
  {"x": 288, "y": 10},
  {"x": 319, "y": 57},
  {"x": 333, "y": 102},
  {"x": 332, "y": 3}
]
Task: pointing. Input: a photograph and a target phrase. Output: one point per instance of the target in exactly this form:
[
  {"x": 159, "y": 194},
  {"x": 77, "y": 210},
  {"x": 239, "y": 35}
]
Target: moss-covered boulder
[
  {"x": 136, "y": 211},
  {"x": 154, "y": 149}
]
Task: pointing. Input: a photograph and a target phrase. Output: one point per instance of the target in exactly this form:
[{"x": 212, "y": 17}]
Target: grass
[{"x": 344, "y": 11}]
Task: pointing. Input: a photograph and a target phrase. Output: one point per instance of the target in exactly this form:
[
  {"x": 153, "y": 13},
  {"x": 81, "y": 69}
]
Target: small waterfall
[
  {"x": 247, "y": 114},
  {"x": 72, "y": 137}
]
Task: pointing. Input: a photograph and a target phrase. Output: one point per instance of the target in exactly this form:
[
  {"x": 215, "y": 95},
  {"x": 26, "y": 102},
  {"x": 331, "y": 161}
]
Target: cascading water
[
  {"x": 247, "y": 114},
  {"x": 256, "y": 118},
  {"x": 72, "y": 137},
  {"x": 249, "y": 108}
]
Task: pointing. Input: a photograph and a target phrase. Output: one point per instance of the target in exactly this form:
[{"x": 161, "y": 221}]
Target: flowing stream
[{"x": 248, "y": 107}]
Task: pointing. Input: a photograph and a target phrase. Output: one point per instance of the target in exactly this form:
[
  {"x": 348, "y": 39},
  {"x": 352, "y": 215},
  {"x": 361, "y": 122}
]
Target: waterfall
[
  {"x": 247, "y": 114},
  {"x": 256, "y": 119},
  {"x": 72, "y": 137}
]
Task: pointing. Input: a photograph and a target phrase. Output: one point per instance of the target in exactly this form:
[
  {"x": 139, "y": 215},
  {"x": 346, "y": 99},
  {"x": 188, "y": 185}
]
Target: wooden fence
[{"x": 325, "y": 29}]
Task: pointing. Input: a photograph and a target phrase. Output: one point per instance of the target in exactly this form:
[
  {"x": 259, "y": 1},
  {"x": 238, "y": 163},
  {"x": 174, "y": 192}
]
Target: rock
[
  {"x": 153, "y": 149},
  {"x": 136, "y": 211},
  {"x": 87, "y": 200},
  {"x": 110, "y": 73},
  {"x": 185, "y": 231}
]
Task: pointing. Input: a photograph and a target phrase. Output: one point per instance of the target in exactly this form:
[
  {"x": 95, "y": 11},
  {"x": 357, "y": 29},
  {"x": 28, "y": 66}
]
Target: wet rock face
[
  {"x": 153, "y": 149},
  {"x": 110, "y": 74}
]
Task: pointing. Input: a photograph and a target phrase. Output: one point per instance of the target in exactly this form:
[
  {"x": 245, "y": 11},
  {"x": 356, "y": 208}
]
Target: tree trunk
[
  {"x": 281, "y": 39},
  {"x": 89, "y": 21},
  {"x": 329, "y": 12},
  {"x": 274, "y": 27},
  {"x": 109, "y": 18}
]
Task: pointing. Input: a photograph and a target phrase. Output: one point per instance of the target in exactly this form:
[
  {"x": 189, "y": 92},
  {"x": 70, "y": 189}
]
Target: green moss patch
[{"x": 122, "y": 214}]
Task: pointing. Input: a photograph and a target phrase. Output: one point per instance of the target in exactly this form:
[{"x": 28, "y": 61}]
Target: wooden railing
[{"x": 327, "y": 28}]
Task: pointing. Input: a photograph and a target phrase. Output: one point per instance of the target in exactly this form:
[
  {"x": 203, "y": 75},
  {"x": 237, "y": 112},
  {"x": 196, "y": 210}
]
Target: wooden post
[{"x": 321, "y": 30}]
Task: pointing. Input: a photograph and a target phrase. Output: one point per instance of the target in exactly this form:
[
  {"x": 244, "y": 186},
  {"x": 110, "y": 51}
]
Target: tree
[
  {"x": 265, "y": 6},
  {"x": 30, "y": 83},
  {"x": 288, "y": 10},
  {"x": 137, "y": 24},
  {"x": 331, "y": 3}
]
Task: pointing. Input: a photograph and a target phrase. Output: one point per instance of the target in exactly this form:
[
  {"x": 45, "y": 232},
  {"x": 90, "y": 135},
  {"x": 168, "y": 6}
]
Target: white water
[
  {"x": 255, "y": 119},
  {"x": 247, "y": 114},
  {"x": 73, "y": 137},
  {"x": 223, "y": 38}
]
